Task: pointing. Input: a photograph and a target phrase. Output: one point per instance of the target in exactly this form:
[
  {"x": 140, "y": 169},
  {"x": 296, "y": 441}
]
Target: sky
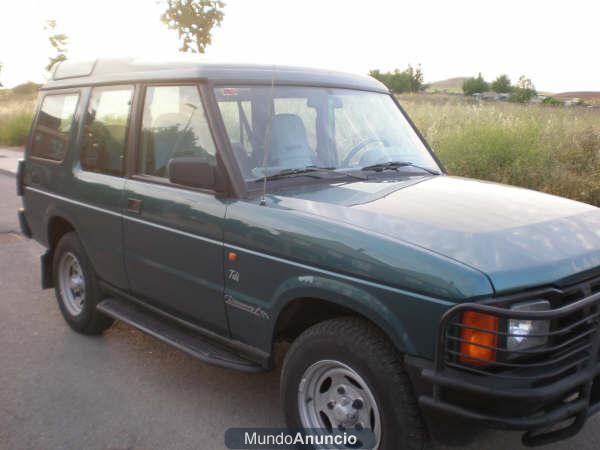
[{"x": 551, "y": 42}]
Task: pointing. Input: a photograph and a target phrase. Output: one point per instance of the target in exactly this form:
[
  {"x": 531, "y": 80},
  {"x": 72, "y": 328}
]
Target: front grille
[{"x": 572, "y": 337}]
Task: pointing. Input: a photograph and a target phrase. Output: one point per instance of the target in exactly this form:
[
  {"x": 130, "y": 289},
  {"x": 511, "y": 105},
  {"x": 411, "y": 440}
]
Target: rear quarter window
[{"x": 54, "y": 125}]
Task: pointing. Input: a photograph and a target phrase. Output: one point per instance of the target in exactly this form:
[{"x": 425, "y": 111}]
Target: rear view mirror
[{"x": 192, "y": 171}]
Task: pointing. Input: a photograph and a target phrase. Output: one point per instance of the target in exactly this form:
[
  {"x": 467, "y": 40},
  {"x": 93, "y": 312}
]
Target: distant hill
[
  {"x": 586, "y": 96},
  {"x": 451, "y": 85}
]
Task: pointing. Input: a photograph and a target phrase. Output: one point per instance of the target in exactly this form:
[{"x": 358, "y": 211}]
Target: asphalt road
[{"x": 124, "y": 390}]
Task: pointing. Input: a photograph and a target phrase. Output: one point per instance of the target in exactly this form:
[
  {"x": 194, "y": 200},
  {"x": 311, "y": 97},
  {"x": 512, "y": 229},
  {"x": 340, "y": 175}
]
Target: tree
[
  {"x": 27, "y": 88},
  {"x": 194, "y": 21},
  {"x": 502, "y": 85},
  {"x": 525, "y": 83},
  {"x": 408, "y": 80},
  {"x": 524, "y": 91},
  {"x": 59, "y": 42},
  {"x": 416, "y": 78},
  {"x": 475, "y": 85}
]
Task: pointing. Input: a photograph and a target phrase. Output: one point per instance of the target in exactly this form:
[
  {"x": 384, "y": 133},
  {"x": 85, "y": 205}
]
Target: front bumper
[{"x": 549, "y": 393}]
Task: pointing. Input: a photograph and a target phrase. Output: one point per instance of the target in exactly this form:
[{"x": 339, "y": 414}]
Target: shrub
[
  {"x": 551, "y": 101},
  {"x": 409, "y": 80},
  {"x": 524, "y": 91},
  {"x": 522, "y": 95}
]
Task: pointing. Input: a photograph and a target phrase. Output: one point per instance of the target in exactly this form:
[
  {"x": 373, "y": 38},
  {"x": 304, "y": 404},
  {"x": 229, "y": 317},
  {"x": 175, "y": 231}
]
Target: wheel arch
[
  {"x": 297, "y": 311},
  {"x": 57, "y": 225}
]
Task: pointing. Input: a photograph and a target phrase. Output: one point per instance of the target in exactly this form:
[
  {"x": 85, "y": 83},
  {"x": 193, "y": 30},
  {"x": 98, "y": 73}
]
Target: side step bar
[{"x": 177, "y": 335}]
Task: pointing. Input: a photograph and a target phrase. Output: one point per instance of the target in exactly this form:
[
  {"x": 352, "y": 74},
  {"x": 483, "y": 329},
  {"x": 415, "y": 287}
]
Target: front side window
[
  {"x": 174, "y": 125},
  {"x": 106, "y": 125},
  {"x": 294, "y": 127},
  {"x": 54, "y": 125}
]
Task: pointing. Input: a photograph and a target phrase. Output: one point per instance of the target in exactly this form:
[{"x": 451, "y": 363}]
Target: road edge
[{"x": 7, "y": 172}]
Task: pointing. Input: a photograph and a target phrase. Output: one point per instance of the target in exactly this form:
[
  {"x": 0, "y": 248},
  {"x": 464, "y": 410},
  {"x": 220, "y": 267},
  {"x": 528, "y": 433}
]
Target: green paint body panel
[
  {"x": 286, "y": 255},
  {"x": 177, "y": 271}
]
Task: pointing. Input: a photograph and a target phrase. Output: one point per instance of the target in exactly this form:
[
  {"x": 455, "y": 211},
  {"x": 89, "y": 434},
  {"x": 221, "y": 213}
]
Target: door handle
[{"x": 134, "y": 205}]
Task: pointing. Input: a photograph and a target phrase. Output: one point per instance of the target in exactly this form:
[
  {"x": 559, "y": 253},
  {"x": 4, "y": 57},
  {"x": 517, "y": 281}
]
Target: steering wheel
[{"x": 359, "y": 147}]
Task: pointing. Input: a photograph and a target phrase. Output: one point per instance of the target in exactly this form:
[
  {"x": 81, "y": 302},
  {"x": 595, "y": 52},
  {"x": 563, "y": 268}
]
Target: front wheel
[{"x": 343, "y": 374}]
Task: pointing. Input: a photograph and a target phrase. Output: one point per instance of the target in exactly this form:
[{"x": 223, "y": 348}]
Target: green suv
[{"x": 223, "y": 208}]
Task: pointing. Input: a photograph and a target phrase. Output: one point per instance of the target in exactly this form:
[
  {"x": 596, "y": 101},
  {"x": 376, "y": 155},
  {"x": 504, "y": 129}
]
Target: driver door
[{"x": 173, "y": 235}]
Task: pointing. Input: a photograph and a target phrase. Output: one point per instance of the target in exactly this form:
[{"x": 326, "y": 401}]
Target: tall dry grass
[
  {"x": 15, "y": 117},
  {"x": 550, "y": 149}
]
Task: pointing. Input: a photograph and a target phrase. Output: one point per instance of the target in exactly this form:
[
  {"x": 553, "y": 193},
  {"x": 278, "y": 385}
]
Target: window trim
[
  {"x": 82, "y": 143},
  {"x": 73, "y": 133},
  {"x": 134, "y": 161},
  {"x": 161, "y": 181}
]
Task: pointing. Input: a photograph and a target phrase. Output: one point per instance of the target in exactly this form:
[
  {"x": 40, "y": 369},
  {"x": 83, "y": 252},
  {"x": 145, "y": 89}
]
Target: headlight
[{"x": 524, "y": 331}]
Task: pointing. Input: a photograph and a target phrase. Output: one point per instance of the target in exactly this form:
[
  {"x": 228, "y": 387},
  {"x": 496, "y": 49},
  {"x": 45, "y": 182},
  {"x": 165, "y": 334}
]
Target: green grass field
[{"x": 550, "y": 149}]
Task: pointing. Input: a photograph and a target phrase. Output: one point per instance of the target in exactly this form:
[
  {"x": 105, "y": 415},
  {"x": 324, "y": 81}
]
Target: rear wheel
[
  {"x": 76, "y": 287},
  {"x": 343, "y": 374}
]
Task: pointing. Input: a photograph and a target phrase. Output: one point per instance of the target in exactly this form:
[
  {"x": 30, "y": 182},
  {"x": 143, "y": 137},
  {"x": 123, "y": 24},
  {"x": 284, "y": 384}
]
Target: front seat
[{"x": 289, "y": 144}]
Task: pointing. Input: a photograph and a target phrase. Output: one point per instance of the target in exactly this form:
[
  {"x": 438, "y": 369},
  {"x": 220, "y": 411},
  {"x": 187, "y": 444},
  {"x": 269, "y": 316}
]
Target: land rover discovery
[{"x": 222, "y": 208}]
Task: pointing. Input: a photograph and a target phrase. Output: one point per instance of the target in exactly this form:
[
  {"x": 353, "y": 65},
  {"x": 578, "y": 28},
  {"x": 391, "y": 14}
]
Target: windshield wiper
[
  {"x": 309, "y": 171},
  {"x": 288, "y": 173},
  {"x": 395, "y": 165}
]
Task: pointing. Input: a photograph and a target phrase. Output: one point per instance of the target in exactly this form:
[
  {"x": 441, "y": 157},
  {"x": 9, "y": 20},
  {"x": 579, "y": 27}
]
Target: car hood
[{"x": 519, "y": 238}]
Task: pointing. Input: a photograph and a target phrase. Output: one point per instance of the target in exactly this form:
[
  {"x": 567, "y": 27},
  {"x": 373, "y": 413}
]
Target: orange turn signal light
[{"x": 476, "y": 340}]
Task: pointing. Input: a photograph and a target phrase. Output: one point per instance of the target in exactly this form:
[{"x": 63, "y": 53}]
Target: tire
[
  {"x": 361, "y": 348},
  {"x": 76, "y": 287}
]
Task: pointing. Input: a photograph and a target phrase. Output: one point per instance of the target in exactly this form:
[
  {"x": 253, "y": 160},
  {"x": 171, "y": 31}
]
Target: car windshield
[{"x": 286, "y": 130}]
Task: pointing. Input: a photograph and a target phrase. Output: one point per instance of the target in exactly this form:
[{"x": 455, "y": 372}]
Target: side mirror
[{"x": 192, "y": 171}]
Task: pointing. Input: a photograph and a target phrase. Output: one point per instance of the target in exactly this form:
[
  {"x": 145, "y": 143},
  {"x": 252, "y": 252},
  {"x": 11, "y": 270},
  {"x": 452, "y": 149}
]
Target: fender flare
[
  {"x": 347, "y": 295},
  {"x": 46, "y": 259},
  {"x": 55, "y": 212}
]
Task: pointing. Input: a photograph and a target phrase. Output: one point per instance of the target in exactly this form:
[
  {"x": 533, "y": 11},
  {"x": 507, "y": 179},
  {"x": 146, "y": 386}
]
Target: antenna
[{"x": 267, "y": 140}]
